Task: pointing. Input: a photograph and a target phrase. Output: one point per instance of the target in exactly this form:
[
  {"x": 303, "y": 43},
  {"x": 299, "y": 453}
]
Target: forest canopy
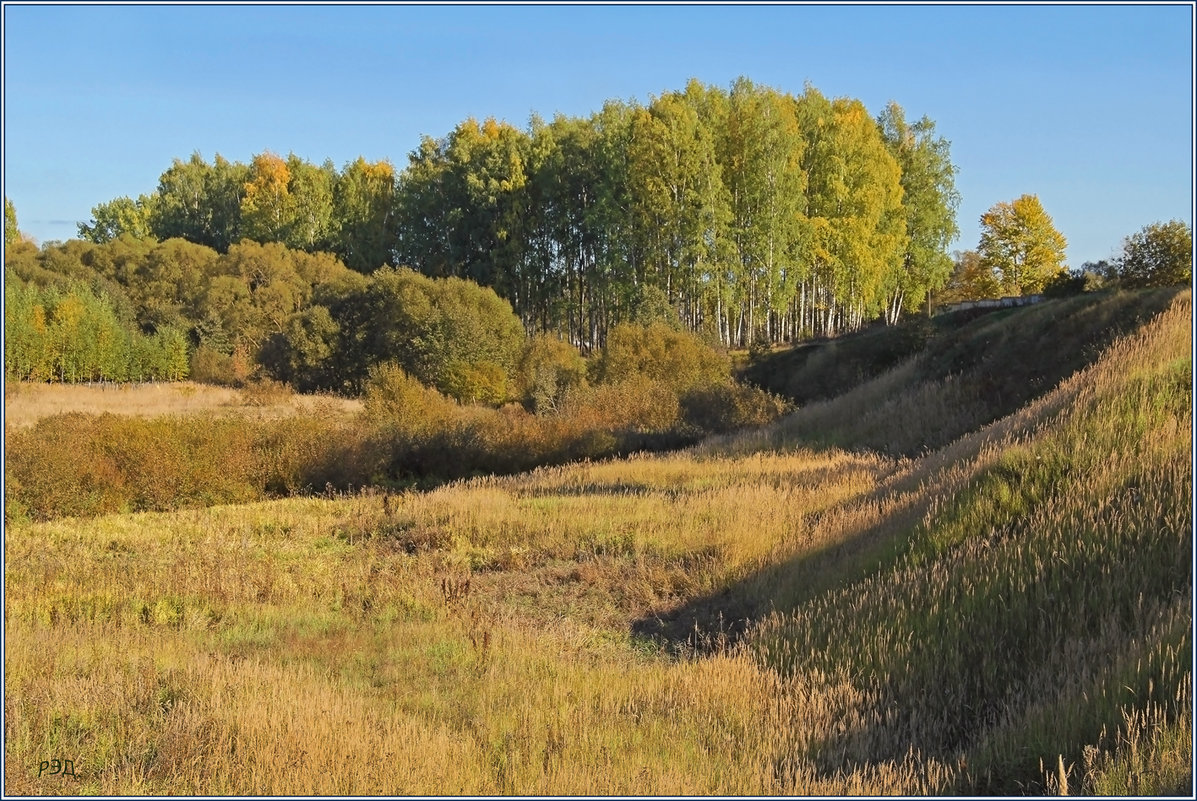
[
  {"x": 744, "y": 217},
  {"x": 759, "y": 215}
]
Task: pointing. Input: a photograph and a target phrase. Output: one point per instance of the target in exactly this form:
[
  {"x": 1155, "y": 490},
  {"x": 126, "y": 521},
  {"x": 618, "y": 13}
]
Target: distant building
[{"x": 1008, "y": 302}]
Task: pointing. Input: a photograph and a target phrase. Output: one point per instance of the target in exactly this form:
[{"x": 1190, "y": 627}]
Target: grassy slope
[
  {"x": 946, "y": 377},
  {"x": 941, "y": 623},
  {"x": 1047, "y": 584}
]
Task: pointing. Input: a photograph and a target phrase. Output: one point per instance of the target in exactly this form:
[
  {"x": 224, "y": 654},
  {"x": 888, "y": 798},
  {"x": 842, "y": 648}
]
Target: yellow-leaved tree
[
  {"x": 1021, "y": 245},
  {"x": 265, "y": 209}
]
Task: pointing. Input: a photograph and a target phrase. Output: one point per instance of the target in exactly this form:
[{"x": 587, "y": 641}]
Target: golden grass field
[
  {"x": 27, "y": 402},
  {"x": 1010, "y": 613}
]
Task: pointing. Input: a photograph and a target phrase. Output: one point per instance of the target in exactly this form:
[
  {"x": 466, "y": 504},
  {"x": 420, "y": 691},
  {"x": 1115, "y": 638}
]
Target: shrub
[
  {"x": 677, "y": 359},
  {"x": 210, "y": 366},
  {"x": 265, "y": 392},
  {"x": 1065, "y": 284},
  {"x": 481, "y": 382},
  {"x": 77, "y": 464},
  {"x": 448, "y": 333},
  {"x": 396, "y": 401},
  {"x": 634, "y": 403},
  {"x": 729, "y": 407},
  {"x": 548, "y": 371}
]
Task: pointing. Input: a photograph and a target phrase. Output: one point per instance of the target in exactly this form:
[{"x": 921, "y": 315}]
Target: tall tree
[
  {"x": 427, "y": 210},
  {"x": 183, "y": 209},
  {"x": 552, "y": 293},
  {"x": 1021, "y": 245},
  {"x": 311, "y": 206},
  {"x": 761, "y": 154},
  {"x": 608, "y": 221},
  {"x": 267, "y": 209},
  {"x": 679, "y": 203},
  {"x": 363, "y": 215},
  {"x": 12, "y": 234},
  {"x": 224, "y": 187},
  {"x": 1160, "y": 254},
  {"x": 854, "y": 206},
  {"x": 929, "y": 202},
  {"x": 489, "y": 162}
]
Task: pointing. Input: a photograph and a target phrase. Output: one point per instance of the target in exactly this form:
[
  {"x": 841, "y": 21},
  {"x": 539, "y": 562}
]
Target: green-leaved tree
[
  {"x": 12, "y": 234},
  {"x": 929, "y": 203},
  {"x": 1161, "y": 254},
  {"x": 122, "y": 216}
]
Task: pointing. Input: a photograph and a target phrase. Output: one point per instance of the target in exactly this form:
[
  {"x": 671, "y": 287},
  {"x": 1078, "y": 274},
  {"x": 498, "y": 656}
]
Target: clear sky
[{"x": 1090, "y": 107}]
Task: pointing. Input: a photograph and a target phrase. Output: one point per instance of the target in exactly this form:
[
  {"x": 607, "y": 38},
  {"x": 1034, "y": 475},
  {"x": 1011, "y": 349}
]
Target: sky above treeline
[{"x": 1089, "y": 107}]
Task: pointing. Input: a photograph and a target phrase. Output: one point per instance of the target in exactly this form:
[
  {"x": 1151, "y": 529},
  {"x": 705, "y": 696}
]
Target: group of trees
[
  {"x": 1160, "y": 254},
  {"x": 289, "y": 201},
  {"x": 135, "y": 309},
  {"x": 1021, "y": 252},
  {"x": 304, "y": 318},
  {"x": 73, "y": 334},
  {"x": 500, "y": 257},
  {"x": 756, "y": 213}
]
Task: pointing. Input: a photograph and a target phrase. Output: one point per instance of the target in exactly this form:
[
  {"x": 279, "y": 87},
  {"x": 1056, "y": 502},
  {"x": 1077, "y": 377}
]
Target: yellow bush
[{"x": 549, "y": 369}]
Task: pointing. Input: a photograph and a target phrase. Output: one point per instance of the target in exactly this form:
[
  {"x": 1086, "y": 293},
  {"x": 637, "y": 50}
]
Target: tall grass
[
  {"x": 970, "y": 621},
  {"x": 1046, "y": 589}
]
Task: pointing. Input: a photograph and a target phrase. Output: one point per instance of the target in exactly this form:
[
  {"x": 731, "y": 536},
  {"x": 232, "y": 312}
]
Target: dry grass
[
  {"x": 25, "y": 403},
  {"x": 942, "y": 624},
  {"x": 327, "y": 646}
]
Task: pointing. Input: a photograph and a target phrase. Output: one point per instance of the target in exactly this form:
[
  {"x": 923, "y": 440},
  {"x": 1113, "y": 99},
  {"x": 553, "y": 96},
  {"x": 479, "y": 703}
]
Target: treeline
[
  {"x": 267, "y": 311},
  {"x": 1157, "y": 255},
  {"x": 257, "y": 309},
  {"x": 754, "y": 213}
]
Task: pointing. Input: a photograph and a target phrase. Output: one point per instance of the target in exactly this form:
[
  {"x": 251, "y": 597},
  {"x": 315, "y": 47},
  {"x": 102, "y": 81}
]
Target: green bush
[
  {"x": 448, "y": 333},
  {"x": 677, "y": 359},
  {"x": 480, "y": 382}
]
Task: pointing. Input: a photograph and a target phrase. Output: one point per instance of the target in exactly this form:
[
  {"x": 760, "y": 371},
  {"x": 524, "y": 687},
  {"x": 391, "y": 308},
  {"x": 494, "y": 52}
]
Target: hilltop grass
[
  {"x": 747, "y": 617},
  {"x": 1059, "y": 539}
]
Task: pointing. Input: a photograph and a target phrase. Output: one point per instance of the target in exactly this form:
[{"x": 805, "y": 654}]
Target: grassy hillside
[
  {"x": 1002, "y": 612},
  {"x": 978, "y": 366}
]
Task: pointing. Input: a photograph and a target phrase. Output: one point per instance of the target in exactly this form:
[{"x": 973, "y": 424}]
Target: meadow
[
  {"x": 25, "y": 403},
  {"x": 1005, "y": 611}
]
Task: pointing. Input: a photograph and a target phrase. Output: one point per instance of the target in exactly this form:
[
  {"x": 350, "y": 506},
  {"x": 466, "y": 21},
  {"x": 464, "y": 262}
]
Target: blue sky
[{"x": 1090, "y": 107}]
